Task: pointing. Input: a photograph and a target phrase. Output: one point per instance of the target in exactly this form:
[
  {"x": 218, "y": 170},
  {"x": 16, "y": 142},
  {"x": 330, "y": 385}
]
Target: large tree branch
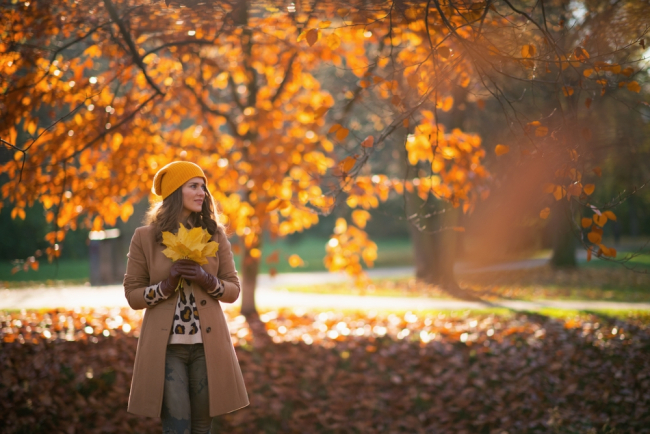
[
  {"x": 233, "y": 92},
  {"x": 24, "y": 158},
  {"x": 177, "y": 44},
  {"x": 357, "y": 92},
  {"x": 287, "y": 77},
  {"x": 55, "y": 52},
  {"x": 204, "y": 105},
  {"x": 129, "y": 42},
  {"x": 113, "y": 128}
]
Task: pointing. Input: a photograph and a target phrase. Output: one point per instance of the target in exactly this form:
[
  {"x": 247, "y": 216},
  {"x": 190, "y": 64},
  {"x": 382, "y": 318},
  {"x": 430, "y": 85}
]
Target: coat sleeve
[
  {"x": 136, "y": 279},
  {"x": 227, "y": 272}
]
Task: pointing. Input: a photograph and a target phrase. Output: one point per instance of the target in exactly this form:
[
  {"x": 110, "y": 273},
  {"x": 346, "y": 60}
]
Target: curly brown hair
[{"x": 165, "y": 216}]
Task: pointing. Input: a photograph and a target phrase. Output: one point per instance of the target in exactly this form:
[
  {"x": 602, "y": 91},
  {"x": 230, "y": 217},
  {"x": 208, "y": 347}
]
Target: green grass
[
  {"x": 606, "y": 283},
  {"x": 623, "y": 259},
  {"x": 397, "y": 287},
  {"x": 390, "y": 253},
  {"x": 583, "y": 283},
  {"x": 74, "y": 271},
  {"x": 596, "y": 280}
]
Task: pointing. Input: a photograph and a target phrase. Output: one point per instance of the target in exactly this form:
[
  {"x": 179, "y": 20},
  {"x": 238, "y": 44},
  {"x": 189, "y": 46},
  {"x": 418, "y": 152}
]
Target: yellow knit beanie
[{"x": 174, "y": 175}]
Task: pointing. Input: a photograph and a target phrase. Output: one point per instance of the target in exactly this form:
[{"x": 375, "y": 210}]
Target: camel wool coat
[{"x": 147, "y": 266}]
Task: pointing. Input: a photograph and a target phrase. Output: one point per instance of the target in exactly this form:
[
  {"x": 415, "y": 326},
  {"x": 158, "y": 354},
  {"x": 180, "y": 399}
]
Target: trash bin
[{"x": 106, "y": 258}]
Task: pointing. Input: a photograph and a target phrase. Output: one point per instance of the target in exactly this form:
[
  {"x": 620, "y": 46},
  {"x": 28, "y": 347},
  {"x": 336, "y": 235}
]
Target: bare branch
[
  {"x": 129, "y": 41},
  {"x": 286, "y": 78}
]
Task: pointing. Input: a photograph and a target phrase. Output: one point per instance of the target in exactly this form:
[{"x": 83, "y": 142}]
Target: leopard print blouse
[{"x": 186, "y": 326}]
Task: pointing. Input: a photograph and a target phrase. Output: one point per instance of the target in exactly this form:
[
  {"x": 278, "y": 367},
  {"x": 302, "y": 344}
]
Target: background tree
[{"x": 96, "y": 96}]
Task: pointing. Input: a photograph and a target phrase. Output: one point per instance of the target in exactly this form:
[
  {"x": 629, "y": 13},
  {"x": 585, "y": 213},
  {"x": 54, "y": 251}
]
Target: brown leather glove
[
  {"x": 196, "y": 274},
  {"x": 168, "y": 286}
]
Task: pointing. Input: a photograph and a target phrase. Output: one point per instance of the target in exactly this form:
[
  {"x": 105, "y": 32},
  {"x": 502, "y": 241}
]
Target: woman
[{"x": 186, "y": 370}]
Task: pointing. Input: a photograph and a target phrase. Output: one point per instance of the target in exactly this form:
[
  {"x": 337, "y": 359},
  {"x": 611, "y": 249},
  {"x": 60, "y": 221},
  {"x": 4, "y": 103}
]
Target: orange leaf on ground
[{"x": 87, "y": 357}]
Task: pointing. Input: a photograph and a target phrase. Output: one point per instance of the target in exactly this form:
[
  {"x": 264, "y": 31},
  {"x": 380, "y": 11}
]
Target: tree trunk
[
  {"x": 423, "y": 254},
  {"x": 564, "y": 250},
  {"x": 634, "y": 216},
  {"x": 434, "y": 246},
  {"x": 249, "y": 271}
]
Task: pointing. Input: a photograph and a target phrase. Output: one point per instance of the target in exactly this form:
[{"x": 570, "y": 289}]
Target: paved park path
[{"x": 272, "y": 293}]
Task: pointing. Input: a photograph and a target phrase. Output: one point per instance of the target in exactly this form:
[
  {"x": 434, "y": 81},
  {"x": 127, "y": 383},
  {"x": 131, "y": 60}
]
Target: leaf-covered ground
[
  {"x": 608, "y": 284},
  {"x": 341, "y": 372}
]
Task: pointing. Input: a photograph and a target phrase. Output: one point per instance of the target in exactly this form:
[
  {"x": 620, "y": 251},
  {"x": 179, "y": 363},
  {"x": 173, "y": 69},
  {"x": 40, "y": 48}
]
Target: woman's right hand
[{"x": 168, "y": 286}]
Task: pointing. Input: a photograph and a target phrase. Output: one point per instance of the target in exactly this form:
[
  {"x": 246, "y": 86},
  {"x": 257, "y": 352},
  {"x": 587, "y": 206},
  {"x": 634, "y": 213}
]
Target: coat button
[
  {"x": 203, "y": 302},
  {"x": 208, "y": 329}
]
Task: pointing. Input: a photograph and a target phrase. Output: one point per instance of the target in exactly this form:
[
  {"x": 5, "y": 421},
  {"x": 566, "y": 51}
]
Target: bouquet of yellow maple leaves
[{"x": 193, "y": 244}]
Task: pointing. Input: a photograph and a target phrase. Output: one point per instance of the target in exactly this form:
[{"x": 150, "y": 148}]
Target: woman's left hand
[{"x": 196, "y": 274}]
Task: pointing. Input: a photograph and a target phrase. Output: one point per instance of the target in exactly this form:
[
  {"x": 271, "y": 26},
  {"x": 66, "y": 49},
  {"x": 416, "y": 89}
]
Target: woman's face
[{"x": 193, "y": 195}]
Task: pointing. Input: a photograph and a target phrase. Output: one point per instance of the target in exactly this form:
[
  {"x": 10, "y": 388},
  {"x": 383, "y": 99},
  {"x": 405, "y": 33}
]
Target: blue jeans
[{"x": 186, "y": 407}]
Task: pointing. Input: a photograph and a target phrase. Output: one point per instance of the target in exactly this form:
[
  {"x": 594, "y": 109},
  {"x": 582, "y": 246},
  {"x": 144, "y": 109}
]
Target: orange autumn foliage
[{"x": 96, "y": 96}]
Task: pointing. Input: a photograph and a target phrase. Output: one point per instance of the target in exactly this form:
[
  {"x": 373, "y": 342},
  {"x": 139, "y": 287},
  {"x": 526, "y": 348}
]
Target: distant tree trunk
[
  {"x": 250, "y": 265},
  {"x": 564, "y": 249},
  {"x": 434, "y": 246},
  {"x": 634, "y": 215},
  {"x": 250, "y": 269}
]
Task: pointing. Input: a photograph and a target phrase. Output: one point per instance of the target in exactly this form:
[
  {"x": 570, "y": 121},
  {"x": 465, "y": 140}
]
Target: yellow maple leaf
[{"x": 191, "y": 244}]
